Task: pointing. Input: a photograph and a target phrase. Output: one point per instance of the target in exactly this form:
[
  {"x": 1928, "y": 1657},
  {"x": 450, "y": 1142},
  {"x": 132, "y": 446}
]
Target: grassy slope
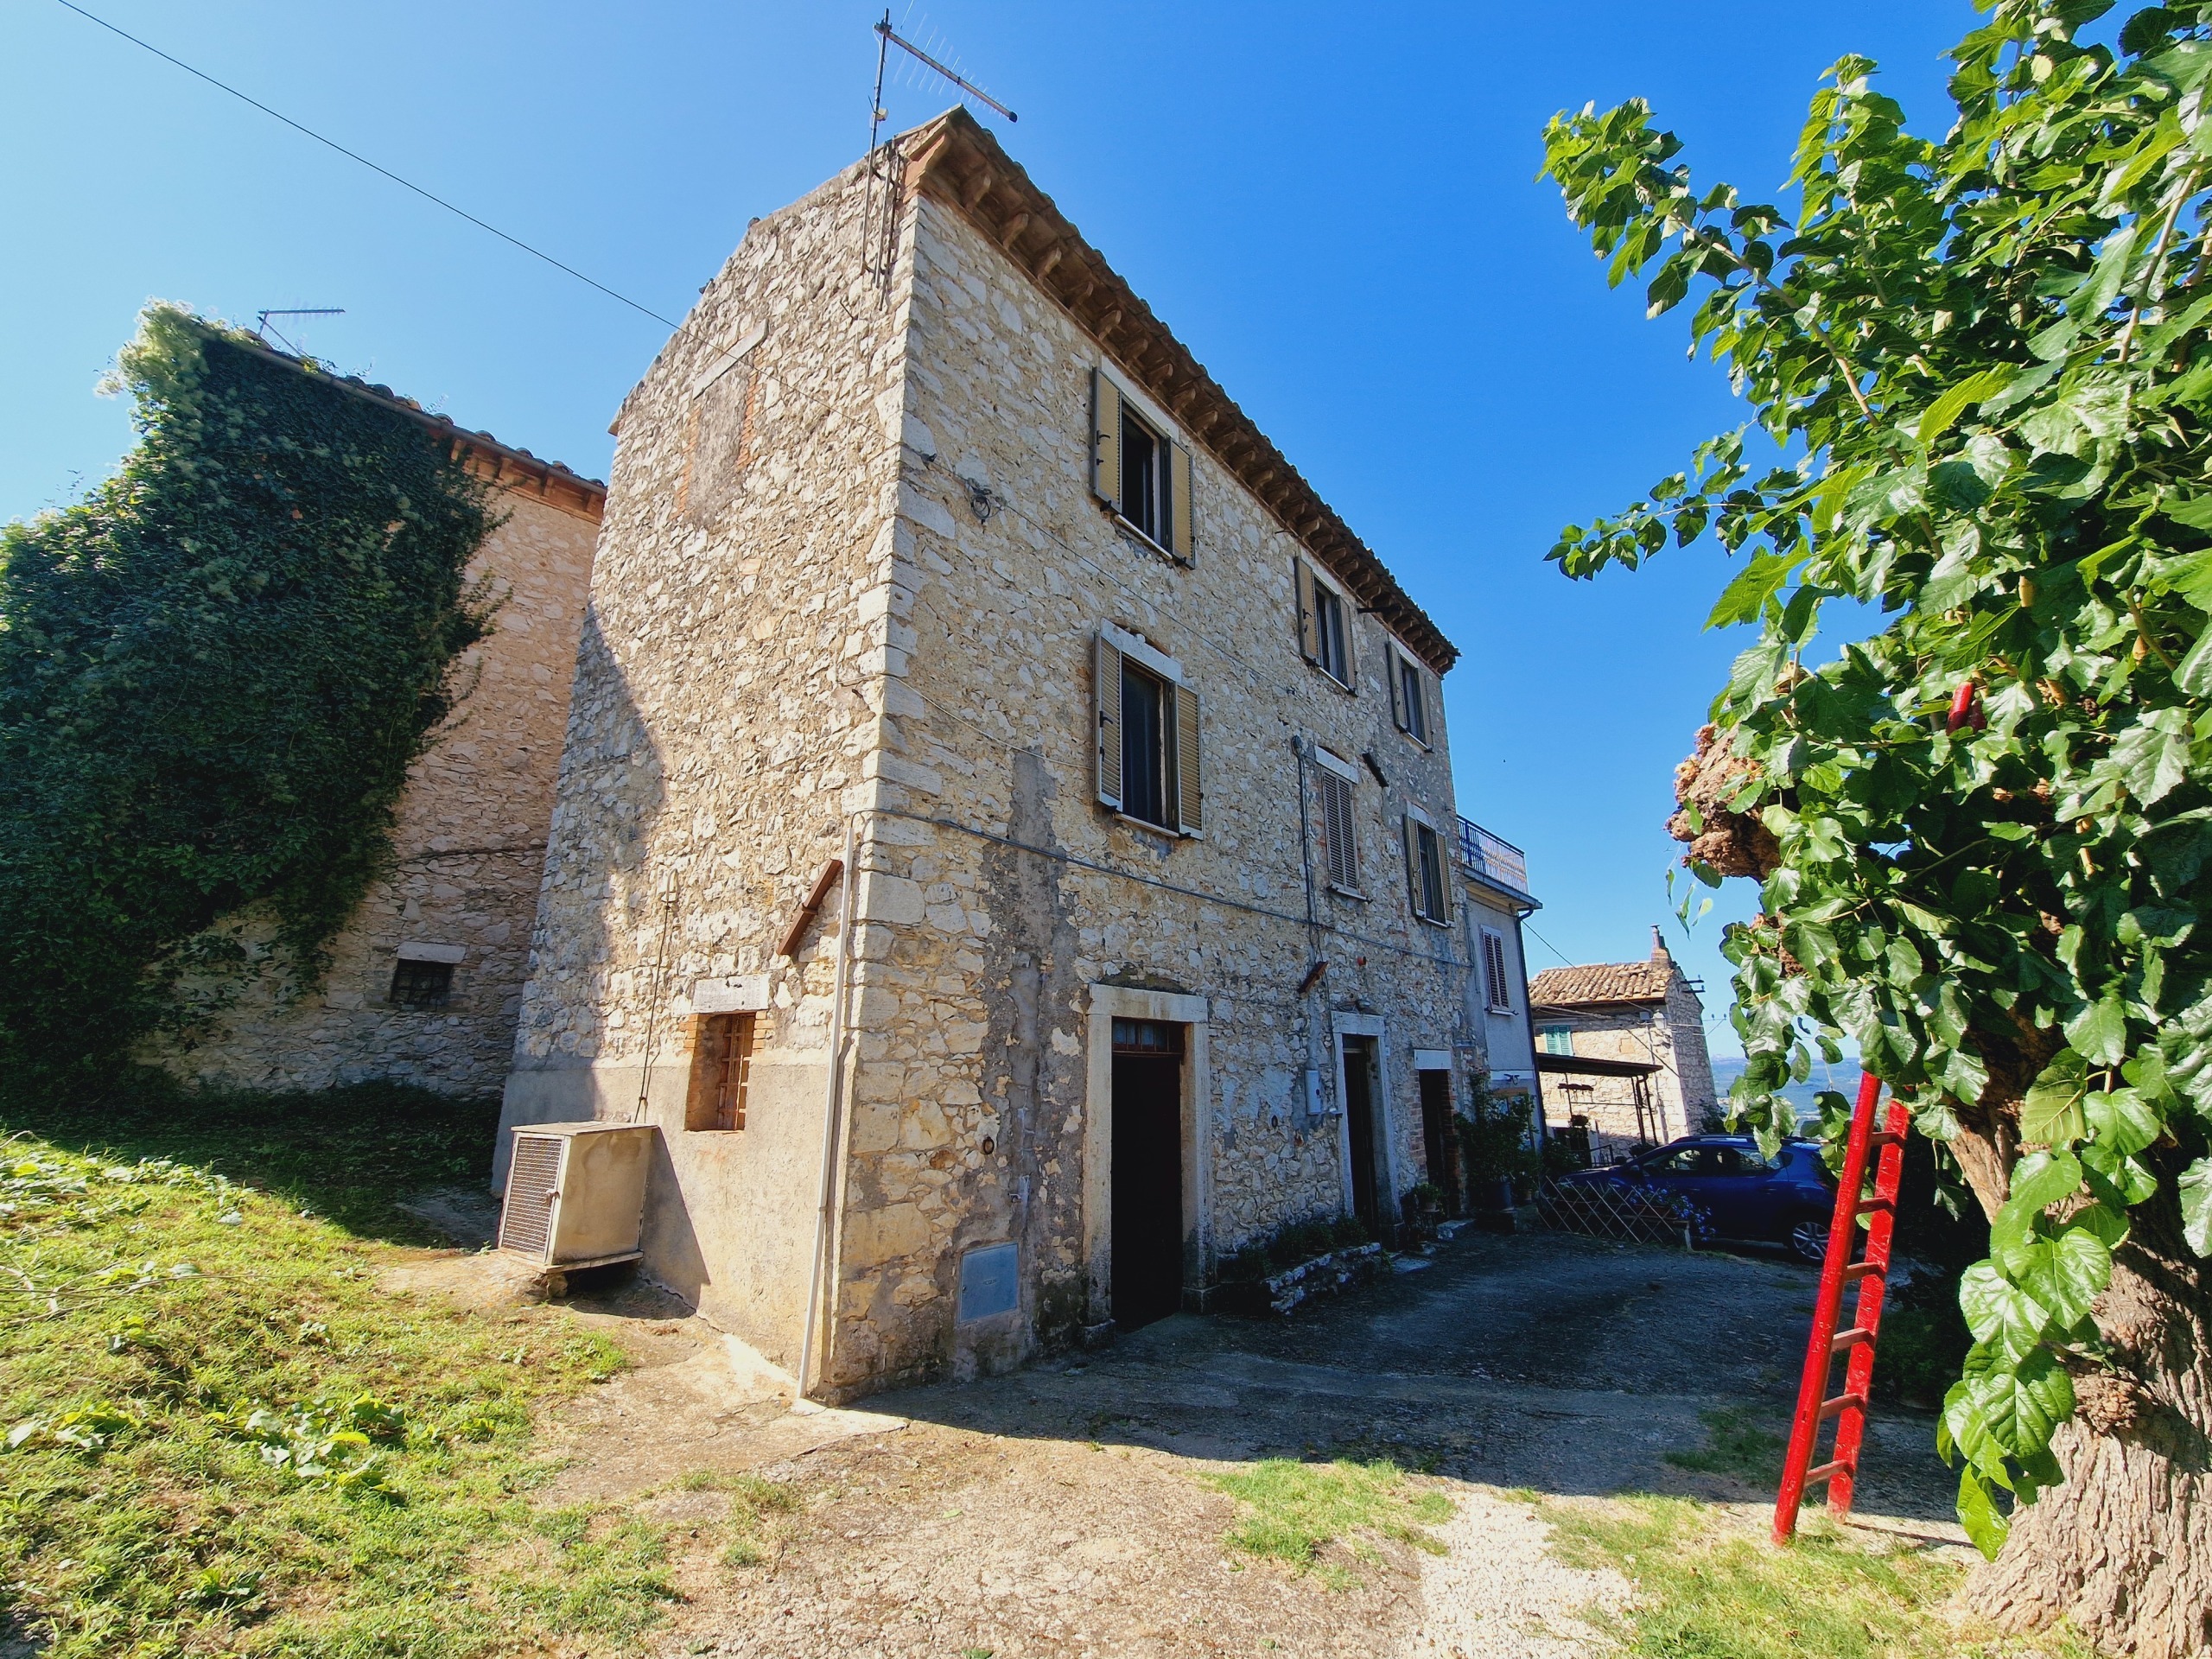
[{"x": 171, "y": 1304}]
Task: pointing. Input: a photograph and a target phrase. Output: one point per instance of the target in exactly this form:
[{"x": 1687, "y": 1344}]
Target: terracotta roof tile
[{"x": 1603, "y": 982}]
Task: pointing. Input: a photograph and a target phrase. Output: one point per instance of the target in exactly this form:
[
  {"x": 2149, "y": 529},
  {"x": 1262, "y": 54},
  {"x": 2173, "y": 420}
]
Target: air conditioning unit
[{"x": 576, "y": 1193}]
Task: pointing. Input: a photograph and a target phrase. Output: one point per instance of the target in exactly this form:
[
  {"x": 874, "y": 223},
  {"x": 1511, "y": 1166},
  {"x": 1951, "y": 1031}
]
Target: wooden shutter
[
  {"x": 1179, "y": 500},
  {"x": 1409, "y": 839},
  {"x": 1309, "y": 625},
  {"x": 1106, "y": 678},
  {"x": 1394, "y": 666},
  {"x": 1337, "y": 828},
  {"x": 1106, "y": 445},
  {"x": 1189, "y": 797}
]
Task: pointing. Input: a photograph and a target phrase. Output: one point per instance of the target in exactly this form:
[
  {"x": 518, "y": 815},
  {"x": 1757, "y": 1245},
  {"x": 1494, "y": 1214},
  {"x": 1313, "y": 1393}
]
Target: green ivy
[
  {"x": 214, "y": 673},
  {"x": 1986, "y": 361}
]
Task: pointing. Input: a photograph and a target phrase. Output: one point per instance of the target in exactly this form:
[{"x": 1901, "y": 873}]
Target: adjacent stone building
[
  {"x": 1622, "y": 1048},
  {"x": 426, "y": 979},
  {"x": 1004, "y": 835}
]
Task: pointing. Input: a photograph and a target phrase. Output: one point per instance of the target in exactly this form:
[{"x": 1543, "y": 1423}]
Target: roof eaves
[
  {"x": 956, "y": 161},
  {"x": 501, "y": 463}
]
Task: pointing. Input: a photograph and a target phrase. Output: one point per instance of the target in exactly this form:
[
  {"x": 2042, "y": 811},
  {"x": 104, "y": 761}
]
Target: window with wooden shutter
[
  {"x": 1309, "y": 631},
  {"x": 1497, "y": 992},
  {"x": 1106, "y": 681},
  {"x": 1339, "y": 834},
  {"x": 1189, "y": 795},
  {"x": 1431, "y": 897},
  {"x": 1106, "y": 439},
  {"x": 1409, "y": 695},
  {"x": 1179, "y": 500}
]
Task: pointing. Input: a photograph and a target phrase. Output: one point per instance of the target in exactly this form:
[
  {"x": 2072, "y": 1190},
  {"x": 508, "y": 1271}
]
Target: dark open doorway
[
  {"x": 1360, "y": 1089},
  {"x": 1437, "y": 1140},
  {"x": 1147, "y": 1230}
]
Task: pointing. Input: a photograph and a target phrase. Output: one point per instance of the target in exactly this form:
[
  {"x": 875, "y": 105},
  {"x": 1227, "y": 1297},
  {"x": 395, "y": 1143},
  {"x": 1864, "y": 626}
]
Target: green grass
[
  {"x": 229, "y": 1441},
  {"x": 1705, "y": 1590},
  {"x": 758, "y": 1508},
  {"x": 1295, "y": 1510},
  {"x": 1735, "y": 1446}
]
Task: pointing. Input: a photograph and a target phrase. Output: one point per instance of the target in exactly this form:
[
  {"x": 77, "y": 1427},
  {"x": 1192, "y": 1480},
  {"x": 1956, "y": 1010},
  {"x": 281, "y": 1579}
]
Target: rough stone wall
[
  {"x": 469, "y": 844},
  {"x": 1691, "y": 1072},
  {"x": 804, "y": 625},
  {"x": 1672, "y": 1034},
  {"x": 998, "y": 891},
  {"x": 725, "y": 725}
]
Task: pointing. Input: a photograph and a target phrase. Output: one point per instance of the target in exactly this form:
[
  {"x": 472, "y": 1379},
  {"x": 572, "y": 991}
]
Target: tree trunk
[{"x": 2124, "y": 1545}]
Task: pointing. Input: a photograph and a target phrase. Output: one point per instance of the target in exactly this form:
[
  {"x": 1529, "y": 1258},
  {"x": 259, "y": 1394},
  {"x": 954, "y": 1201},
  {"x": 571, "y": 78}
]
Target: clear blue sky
[{"x": 1335, "y": 207}]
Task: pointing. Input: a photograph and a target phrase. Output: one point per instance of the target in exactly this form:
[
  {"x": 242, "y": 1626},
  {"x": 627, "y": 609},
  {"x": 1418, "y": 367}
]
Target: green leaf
[
  {"x": 2064, "y": 1275},
  {"x": 2051, "y": 1114},
  {"x": 2196, "y": 1206},
  {"x": 2122, "y": 1121},
  {"x": 1944, "y": 412},
  {"x": 1999, "y": 1311},
  {"x": 1745, "y": 598},
  {"x": 1985, "y": 1522},
  {"x": 2099, "y": 1033}
]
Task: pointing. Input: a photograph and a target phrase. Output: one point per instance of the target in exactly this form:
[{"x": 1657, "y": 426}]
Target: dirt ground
[{"x": 1063, "y": 1511}]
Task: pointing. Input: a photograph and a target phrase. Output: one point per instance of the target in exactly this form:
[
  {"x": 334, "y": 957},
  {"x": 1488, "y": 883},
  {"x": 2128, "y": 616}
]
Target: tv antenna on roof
[
  {"x": 885, "y": 38},
  {"x": 262, "y": 330},
  {"x": 878, "y": 222}
]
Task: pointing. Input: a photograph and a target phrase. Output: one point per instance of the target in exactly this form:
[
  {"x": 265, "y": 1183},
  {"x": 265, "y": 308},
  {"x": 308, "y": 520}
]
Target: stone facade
[
  {"x": 469, "y": 843},
  {"x": 846, "y": 614},
  {"x": 1646, "y": 1012}
]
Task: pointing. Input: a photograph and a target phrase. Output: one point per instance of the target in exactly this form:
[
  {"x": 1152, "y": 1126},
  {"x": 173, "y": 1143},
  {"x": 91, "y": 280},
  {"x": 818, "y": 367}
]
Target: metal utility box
[{"x": 576, "y": 1193}]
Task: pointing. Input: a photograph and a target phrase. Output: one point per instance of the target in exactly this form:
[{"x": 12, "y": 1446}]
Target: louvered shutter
[
  {"x": 1189, "y": 795},
  {"x": 1106, "y": 677},
  {"x": 1106, "y": 442},
  {"x": 1309, "y": 625},
  {"x": 1409, "y": 840},
  {"x": 1394, "y": 668},
  {"x": 1179, "y": 500},
  {"x": 1337, "y": 826}
]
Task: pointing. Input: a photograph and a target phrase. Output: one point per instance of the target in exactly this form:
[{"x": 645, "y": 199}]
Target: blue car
[{"x": 1789, "y": 1200}]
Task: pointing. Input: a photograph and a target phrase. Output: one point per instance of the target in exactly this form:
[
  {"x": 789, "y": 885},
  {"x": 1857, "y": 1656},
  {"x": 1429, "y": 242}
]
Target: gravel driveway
[{"x": 1064, "y": 1511}]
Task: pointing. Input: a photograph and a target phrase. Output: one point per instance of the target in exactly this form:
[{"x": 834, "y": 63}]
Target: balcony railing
[{"x": 1493, "y": 858}]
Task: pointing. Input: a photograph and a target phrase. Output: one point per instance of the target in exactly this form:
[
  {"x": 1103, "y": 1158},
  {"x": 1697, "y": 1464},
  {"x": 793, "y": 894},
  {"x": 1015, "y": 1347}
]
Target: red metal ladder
[{"x": 1816, "y": 1406}]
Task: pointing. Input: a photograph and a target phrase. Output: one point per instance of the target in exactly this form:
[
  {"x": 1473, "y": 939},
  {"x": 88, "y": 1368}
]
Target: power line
[
  {"x": 355, "y": 155},
  {"x": 1548, "y": 945}
]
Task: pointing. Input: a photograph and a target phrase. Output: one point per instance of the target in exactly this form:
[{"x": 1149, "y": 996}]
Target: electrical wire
[
  {"x": 355, "y": 155},
  {"x": 1548, "y": 945}
]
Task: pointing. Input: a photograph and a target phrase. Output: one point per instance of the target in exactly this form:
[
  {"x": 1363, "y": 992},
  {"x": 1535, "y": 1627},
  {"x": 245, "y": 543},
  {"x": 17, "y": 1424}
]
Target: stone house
[
  {"x": 1004, "y": 836},
  {"x": 1622, "y": 1047},
  {"x": 425, "y": 980}
]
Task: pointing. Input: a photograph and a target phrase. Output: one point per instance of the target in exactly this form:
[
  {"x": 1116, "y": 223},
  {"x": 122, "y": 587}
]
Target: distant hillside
[{"x": 1843, "y": 1077}]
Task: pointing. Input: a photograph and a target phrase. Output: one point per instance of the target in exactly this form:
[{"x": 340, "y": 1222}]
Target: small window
[
  {"x": 422, "y": 984},
  {"x": 1339, "y": 835},
  {"x": 1144, "y": 746},
  {"x": 1141, "y": 475},
  {"x": 1556, "y": 1040},
  {"x": 1139, "y": 470},
  {"x": 1331, "y": 654},
  {"x": 1148, "y": 736},
  {"x": 1495, "y": 988},
  {"x": 1155, "y": 1039},
  {"x": 722, "y": 1066},
  {"x": 1425, "y": 871},
  {"x": 1408, "y": 697}
]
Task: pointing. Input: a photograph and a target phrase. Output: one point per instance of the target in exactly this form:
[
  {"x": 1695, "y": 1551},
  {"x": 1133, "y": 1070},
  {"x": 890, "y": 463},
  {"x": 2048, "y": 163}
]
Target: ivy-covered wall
[{"x": 214, "y": 673}]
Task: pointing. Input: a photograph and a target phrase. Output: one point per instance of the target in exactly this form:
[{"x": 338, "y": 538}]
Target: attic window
[{"x": 422, "y": 984}]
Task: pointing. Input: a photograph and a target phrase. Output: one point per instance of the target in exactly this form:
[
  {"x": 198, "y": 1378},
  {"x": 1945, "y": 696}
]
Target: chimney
[{"x": 1659, "y": 952}]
